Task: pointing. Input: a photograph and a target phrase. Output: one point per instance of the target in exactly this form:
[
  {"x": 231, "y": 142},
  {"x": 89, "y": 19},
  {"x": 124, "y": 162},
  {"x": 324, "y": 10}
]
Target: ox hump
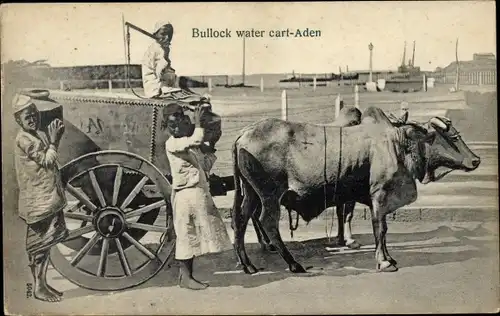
[{"x": 270, "y": 129}]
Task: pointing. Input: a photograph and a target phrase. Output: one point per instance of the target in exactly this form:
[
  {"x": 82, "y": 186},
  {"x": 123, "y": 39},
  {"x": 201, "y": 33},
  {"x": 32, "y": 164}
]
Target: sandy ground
[{"x": 443, "y": 268}]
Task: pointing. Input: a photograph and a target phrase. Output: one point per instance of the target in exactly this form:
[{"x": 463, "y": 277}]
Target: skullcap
[
  {"x": 21, "y": 102},
  {"x": 171, "y": 109}
]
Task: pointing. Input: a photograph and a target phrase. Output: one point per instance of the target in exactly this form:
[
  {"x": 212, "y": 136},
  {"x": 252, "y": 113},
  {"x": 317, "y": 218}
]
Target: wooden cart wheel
[{"x": 119, "y": 238}]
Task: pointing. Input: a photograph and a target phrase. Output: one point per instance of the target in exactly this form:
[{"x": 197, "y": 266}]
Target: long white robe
[
  {"x": 155, "y": 72},
  {"x": 198, "y": 224}
]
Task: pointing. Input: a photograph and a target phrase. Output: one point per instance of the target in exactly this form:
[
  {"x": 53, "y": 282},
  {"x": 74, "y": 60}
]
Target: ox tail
[{"x": 238, "y": 196}]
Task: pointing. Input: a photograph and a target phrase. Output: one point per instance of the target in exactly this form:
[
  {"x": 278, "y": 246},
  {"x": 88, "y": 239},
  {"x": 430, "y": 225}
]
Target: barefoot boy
[
  {"x": 41, "y": 196},
  {"x": 197, "y": 222}
]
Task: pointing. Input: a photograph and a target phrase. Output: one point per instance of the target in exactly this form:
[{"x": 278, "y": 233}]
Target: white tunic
[
  {"x": 40, "y": 189},
  {"x": 155, "y": 72},
  {"x": 198, "y": 224}
]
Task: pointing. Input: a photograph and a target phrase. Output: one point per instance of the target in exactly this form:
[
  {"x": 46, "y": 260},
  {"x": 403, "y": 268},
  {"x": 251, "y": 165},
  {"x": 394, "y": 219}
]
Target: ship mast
[
  {"x": 413, "y": 57},
  {"x": 404, "y": 56},
  {"x": 243, "y": 72}
]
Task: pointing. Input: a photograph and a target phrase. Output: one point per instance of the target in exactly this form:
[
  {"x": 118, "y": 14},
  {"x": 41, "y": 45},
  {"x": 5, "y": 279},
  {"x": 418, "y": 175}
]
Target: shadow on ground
[{"x": 442, "y": 245}]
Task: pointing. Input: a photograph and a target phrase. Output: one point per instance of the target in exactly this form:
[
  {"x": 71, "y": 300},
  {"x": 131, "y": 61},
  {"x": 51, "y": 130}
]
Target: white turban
[{"x": 159, "y": 25}]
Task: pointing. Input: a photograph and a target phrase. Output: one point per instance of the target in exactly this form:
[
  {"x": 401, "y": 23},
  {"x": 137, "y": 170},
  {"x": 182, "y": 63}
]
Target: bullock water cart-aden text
[{"x": 118, "y": 213}]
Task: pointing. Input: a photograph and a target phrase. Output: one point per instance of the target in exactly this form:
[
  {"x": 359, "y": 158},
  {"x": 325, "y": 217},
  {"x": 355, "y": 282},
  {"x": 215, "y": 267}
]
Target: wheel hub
[{"x": 110, "y": 222}]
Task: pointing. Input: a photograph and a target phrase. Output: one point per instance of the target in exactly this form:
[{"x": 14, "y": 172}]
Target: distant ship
[
  {"x": 330, "y": 77},
  {"x": 408, "y": 78}
]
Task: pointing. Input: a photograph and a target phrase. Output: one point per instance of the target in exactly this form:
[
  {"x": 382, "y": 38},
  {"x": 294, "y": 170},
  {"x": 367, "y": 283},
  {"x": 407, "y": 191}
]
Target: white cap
[
  {"x": 21, "y": 102},
  {"x": 159, "y": 25}
]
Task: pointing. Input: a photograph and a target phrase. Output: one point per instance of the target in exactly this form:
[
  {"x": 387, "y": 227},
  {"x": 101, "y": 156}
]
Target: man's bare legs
[{"x": 43, "y": 291}]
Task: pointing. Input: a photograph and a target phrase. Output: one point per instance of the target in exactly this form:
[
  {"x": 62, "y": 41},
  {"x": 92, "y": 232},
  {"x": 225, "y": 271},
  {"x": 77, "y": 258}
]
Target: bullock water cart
[{"x": 116, "y": 176}]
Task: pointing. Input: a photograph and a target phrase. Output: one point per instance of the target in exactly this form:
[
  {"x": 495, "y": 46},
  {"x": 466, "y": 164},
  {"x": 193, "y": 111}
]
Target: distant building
[
  {"x": 41, "y": 75},
  {"x": 480, "y": 70},
  {"x": 478, "y": 56},
  {"x": 480, "y": 62}
]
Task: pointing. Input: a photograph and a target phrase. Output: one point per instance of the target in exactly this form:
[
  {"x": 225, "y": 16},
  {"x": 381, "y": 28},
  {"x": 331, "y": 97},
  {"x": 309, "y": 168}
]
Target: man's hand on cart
[
  {"x": 55, "y": 131},
  {"x": 198, "y": 113}
]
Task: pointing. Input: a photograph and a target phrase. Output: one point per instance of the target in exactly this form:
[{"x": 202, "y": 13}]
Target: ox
[
  {"x": 308, "y": 168},
  {"x": 348, "y": 116}
]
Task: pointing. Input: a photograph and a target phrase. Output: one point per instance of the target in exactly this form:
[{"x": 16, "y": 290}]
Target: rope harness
[
  {"x": 325, "y": 184},
  {"x": 339, "y": 169}
]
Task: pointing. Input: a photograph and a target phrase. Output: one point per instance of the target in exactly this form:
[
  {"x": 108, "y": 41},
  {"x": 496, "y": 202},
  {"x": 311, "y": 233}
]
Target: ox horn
[{"x": 436, "y": 122}]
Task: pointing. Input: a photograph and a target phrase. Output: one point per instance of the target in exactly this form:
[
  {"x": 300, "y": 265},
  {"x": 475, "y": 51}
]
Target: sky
[{"x": 88, "y": 34}]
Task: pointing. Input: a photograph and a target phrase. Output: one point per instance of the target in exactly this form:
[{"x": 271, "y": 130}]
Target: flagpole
[
  {"x": 124, "y": 46},
  {"x": 243, "y": 73}
]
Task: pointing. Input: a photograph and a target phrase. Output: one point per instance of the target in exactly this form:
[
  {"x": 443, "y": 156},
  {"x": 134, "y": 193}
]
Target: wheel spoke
[
  {"x": 123, "y": 258},
  {"x": 74, "y": 207},
  {"x": 101, "y": 269},
  {"x": 84, "y": 223},
  {"x": 134, "y": 192},
  {"x": 82, "y": 198},
  {"x": 139, "y": 246},
  {"x": 82, "y": 217},
  {"x": 91, "y": 243},
  {"x": 151, "y": 228},
  {"x": 118, "y": 183},
  {"x": 145, "y": 209},
  {"x": 97, "y": 188},
  {"x": 80, "y": 231}
]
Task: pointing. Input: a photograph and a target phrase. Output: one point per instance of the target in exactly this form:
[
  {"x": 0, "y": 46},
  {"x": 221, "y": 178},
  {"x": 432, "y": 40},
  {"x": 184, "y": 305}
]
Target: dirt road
[{"x": 443, "y": 268}]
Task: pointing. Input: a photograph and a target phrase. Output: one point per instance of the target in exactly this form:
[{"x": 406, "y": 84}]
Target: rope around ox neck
[{"x": 325, "y": 178}]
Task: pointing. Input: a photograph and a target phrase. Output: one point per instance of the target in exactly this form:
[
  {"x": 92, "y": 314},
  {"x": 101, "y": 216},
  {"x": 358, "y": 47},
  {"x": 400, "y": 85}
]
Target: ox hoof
[
  {"x": 335, "y": 242},
  {"x": 386, "y": 266},
  {"x": 297, "y": 268},
  {"x": 338, "y": 241},
  {"x": 269, "y": 248},
  {"x": 250, "y": 269},
  {"x": 353, "y": 245}
]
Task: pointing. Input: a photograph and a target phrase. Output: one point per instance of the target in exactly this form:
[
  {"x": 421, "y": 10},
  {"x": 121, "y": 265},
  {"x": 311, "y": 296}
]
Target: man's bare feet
[
  {"x": 191, "y": 283},
  {"x": 56, "y": 292},
  {"x": 44, "y": 294}
]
